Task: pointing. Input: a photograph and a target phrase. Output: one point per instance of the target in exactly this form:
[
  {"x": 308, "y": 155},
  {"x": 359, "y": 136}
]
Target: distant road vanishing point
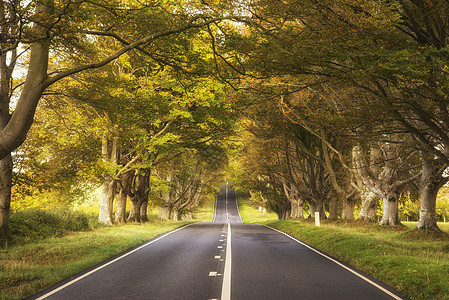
[{"x": 225, "y": 259}]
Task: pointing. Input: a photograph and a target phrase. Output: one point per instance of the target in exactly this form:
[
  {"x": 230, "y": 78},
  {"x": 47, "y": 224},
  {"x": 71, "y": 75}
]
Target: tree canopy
[{"x": 326, "y": 106}]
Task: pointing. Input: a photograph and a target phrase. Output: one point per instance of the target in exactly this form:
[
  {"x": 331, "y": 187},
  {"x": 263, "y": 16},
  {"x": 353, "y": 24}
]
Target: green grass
[
  {"x": 251, "y": 214},
  {"x": 415, "y": 263},
  {"x": 38, "y": 262}
]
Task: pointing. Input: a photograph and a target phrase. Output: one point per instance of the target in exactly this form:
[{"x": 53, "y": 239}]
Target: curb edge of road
[
  {"x": 364, "y": 276},
  {"x": 100, "y": 265}
]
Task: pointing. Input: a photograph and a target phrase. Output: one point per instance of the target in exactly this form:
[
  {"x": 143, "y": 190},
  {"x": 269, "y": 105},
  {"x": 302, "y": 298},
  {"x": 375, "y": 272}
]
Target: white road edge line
[
  {"x": 341, "y": 265},
  {"x": 226, "y": 289},
  {"x": 107, "y": 264}
]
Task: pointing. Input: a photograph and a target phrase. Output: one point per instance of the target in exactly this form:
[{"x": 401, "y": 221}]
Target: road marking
[
  {"x": 213, "y": 274},
  {"x": 220, "y": 247},
  {"x": 226, "y": 289},
  {"x": 217, "y": 257},
  {"x": 340, "y": 264},
  {"x": 107, "y": 264}
]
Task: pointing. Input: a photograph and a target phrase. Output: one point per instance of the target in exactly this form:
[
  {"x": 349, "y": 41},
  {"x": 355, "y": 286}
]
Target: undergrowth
[{"x": 37, "y": 224}]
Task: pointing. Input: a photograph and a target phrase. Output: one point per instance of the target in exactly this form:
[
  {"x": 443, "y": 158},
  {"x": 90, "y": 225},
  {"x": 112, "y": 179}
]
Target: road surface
[{"x": 225, "y": 259}]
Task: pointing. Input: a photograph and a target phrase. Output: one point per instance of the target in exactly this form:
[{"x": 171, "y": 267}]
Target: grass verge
[
  {"x": 34, "y": 265},
  {"x": 415, "y": 263}
]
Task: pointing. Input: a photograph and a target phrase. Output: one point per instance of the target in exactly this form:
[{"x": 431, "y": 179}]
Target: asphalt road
[{"x": 225, "y": 259}]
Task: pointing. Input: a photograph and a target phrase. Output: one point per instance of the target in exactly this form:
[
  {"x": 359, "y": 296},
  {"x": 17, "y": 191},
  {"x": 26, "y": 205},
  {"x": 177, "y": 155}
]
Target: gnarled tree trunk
[
  {"x": 109, "y": 184},
  {"x": 368, "y": 210},
  {"x": 317, "y": 206},
  {"x": 432, "y": 180},
  {"x": 134, "y": 212},
  {"x": 296, "y": 203},
  {"x": 125, "y": 191},
  {"x": 140, "y": 196},
  {"x": 165, "y": 212},
  {"x": 391, "y": 210},
  {"x": 297, "y": 211}
]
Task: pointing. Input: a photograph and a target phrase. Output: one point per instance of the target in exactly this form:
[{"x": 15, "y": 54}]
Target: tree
[
  {"x": 59, "y": 28},
  {"x": 394, "y": 52}
]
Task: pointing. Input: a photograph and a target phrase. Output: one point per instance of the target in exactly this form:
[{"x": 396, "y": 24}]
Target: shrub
[{"x": 36, "y": 224}]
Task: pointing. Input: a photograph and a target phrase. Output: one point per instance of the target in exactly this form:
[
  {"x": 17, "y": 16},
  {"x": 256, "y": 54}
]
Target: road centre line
[
  {"x": 226, "y": 288},
  {"x": 340, "y": 264},
  {"x": 109, "y": 263}
]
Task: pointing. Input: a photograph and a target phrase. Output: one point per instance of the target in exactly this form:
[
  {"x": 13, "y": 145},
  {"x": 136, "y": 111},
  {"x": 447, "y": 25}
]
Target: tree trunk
[
  {"x": 297, "y": 211},
  {"x": 112, "y": 192},
  {"x": 317, "y": 207},
  {"x": 125, "y": 191},
  {"x": 368, "y": 210},
  {"x": 313, "y": 207},
  {"x": 175, "y": 214},
  {"x": 333, "y": 208},
  {"x": 164, "y": 213},
  {"x": 14, "y": 132},
  {"x": 134, "y": 213},
  {"x": 432, "y": 180},
  {"x": 283, "y": 214},
  {"x": 296, "y": 203},
  {"x": 6, "y": 165},
  {"x": 348, "y": 209},
  {"x": 141, "y": 191},
  {"x": 391, "y": 211},
  {"x": 187, "y": 216},
  {"x": 120, "y": 214},
  {"x": 427, "y": 215},
  {"x": 143, "y": 211},
  {"x": 107, "y": 196},
  {"x": 109, "y": 184}
]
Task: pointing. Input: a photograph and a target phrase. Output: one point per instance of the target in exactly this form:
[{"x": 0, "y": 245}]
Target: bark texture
[
  {"x": 391, "y": 210},
  {"x": 432, "y": 179},
  {"x": 5, "y": 197},
  {"x": 368, "y": 209},
  {"x": 333, "y": 208},
  {"x": 140, "y": 195},
  {"x": 109, "y": 185}
]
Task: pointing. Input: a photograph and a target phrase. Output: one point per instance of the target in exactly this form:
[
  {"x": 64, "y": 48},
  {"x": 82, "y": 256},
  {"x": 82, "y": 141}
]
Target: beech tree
[
  {"x": 181, "y": 183},
  {"x": 393, "y": 51},
  {"x": 63, "y": 29}
]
